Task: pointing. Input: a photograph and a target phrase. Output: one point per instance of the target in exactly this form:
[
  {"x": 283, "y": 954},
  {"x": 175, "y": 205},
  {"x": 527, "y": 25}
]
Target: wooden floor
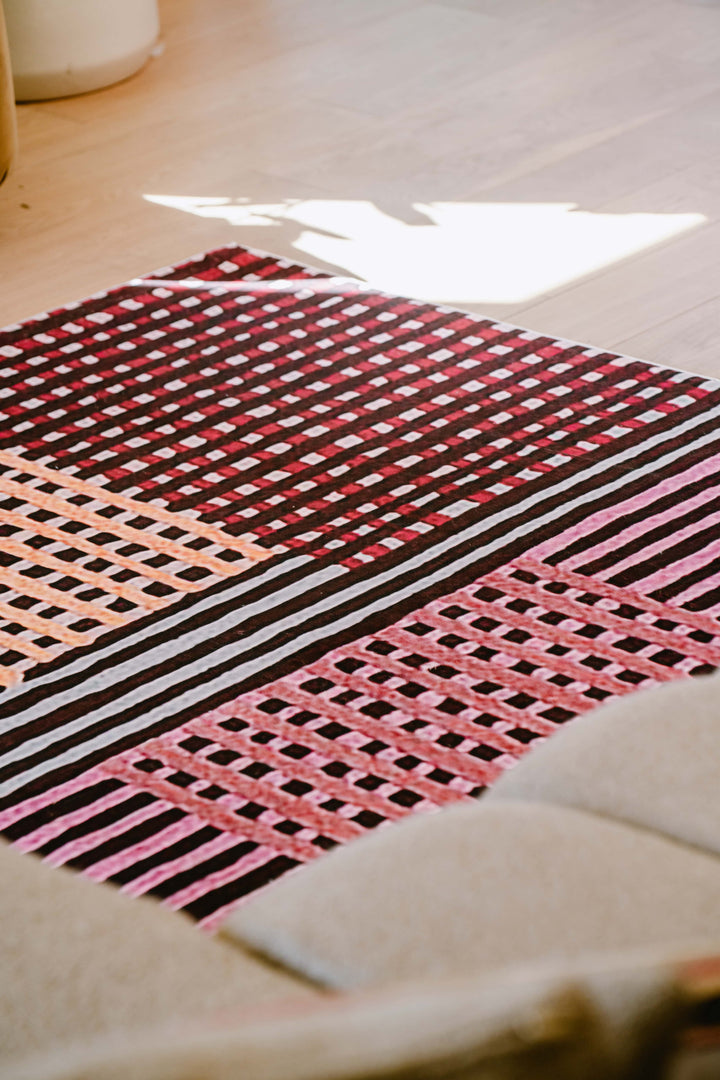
[{"x": 555, "y": 163}]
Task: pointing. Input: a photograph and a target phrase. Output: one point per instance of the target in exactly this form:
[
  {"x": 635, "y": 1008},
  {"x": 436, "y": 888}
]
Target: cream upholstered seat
[
  {"x": 551, "y": 862},
  {"x": 474, "y": 888},
  {"x": 649, "y": 759},
  {"x": 80, "y": 960},
  {"x": 548, "y": 1025}
]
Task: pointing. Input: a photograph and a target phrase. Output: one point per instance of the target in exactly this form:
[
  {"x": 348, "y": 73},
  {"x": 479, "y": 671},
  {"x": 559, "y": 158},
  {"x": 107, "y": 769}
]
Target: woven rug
[{"x": 285, "y": 559}]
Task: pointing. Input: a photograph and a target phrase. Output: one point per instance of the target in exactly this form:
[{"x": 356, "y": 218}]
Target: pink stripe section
[
  {"x": 606, "y": 516},
  {"x": 562, "y": 665},
  {"x": 56, "y": 827},
  {"x": 620, "y": 596},
  {"x": 329, "y": 787},
  {"x": 483, "y": 669},
  {"x": 669, "y": 574},
  {"x": 706, "y": 585},
  {"x": 560, "y": 635},
  {"x": 649, "y": 551},
  {"x": 416, "y": 709},
  {"x": 219, "y": 816},
  {"x": 508, "y": 715},
  {"x": 337, "y": 750},
  {"x": 74, "y": 848},
  {"x": 114, "y": 864},
  {"x": 221, "y": 877},
  {"x": 440, "y": 723},
  {"x": 49, "y": 798},
  {"x": 261, "y": 791},
  {"x": 602, "y": 617},
  {"x": 436, "y": 755},
  {"x": 158, "y": 874}
]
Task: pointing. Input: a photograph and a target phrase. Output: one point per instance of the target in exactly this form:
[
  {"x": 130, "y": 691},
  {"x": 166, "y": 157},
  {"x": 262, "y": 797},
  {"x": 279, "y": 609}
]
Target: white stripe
[{"x": 241, "y": 671}]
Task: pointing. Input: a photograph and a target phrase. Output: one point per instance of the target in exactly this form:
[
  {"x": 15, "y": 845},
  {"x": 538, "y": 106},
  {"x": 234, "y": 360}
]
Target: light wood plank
[
  {"x": 695, "y": 332},
  {"x": 664, "y": 282}
]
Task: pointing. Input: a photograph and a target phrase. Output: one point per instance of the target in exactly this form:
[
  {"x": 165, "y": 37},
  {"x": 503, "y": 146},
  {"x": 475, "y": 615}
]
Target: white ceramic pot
[
  {"x": 8, "y": 141},
  {"x": 63, "y": 47}
]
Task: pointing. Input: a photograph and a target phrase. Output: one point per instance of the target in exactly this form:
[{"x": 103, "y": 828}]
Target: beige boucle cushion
[
  {"x": 592, "y": 1024},
  {"x": 650, "y": 758},
  {"x": 475, "y": 887},
  {"x": 78, "y": 959}
]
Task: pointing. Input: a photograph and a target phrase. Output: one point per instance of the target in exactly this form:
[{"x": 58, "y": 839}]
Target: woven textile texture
[{"x": 283, "y": 559}]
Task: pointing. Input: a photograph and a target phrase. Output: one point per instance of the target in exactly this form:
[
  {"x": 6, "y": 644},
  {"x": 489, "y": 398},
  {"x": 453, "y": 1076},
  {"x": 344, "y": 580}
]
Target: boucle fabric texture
[
  {"x": 285, "y": 559},
  {"x": 80, "y": 960},
  {"x": 455, "y": 1033},
  {"x": 478, "y": 887},
  {"x": 586, "y": 1024},
  {"x": 650, "y": 760}
]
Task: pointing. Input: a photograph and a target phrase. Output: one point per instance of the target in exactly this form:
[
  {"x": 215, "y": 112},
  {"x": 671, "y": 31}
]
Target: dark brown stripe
[
  {"x": 672, "y": 553},
  {"x": 234, "y": 890},
  {"x": 173, "y": 851},
  {"x": 201, "y": 870}
]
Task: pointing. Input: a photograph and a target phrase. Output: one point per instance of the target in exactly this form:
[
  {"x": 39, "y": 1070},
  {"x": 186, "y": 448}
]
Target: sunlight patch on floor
[{"x": 459, "y": 252}]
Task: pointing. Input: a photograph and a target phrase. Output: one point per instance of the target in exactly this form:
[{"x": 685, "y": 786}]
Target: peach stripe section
[
  {"x": 146, "y": 539},
  {"x": 46, "y": 627},
  {"x": 9, "y": 676},
  {"x": 21, "y": 645},
  {"x": 28, "y": 586},
  {"x": 69, "y": 569},
  {"x": 79, "y": 543},
  {"x": 142, "y": 509}
]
